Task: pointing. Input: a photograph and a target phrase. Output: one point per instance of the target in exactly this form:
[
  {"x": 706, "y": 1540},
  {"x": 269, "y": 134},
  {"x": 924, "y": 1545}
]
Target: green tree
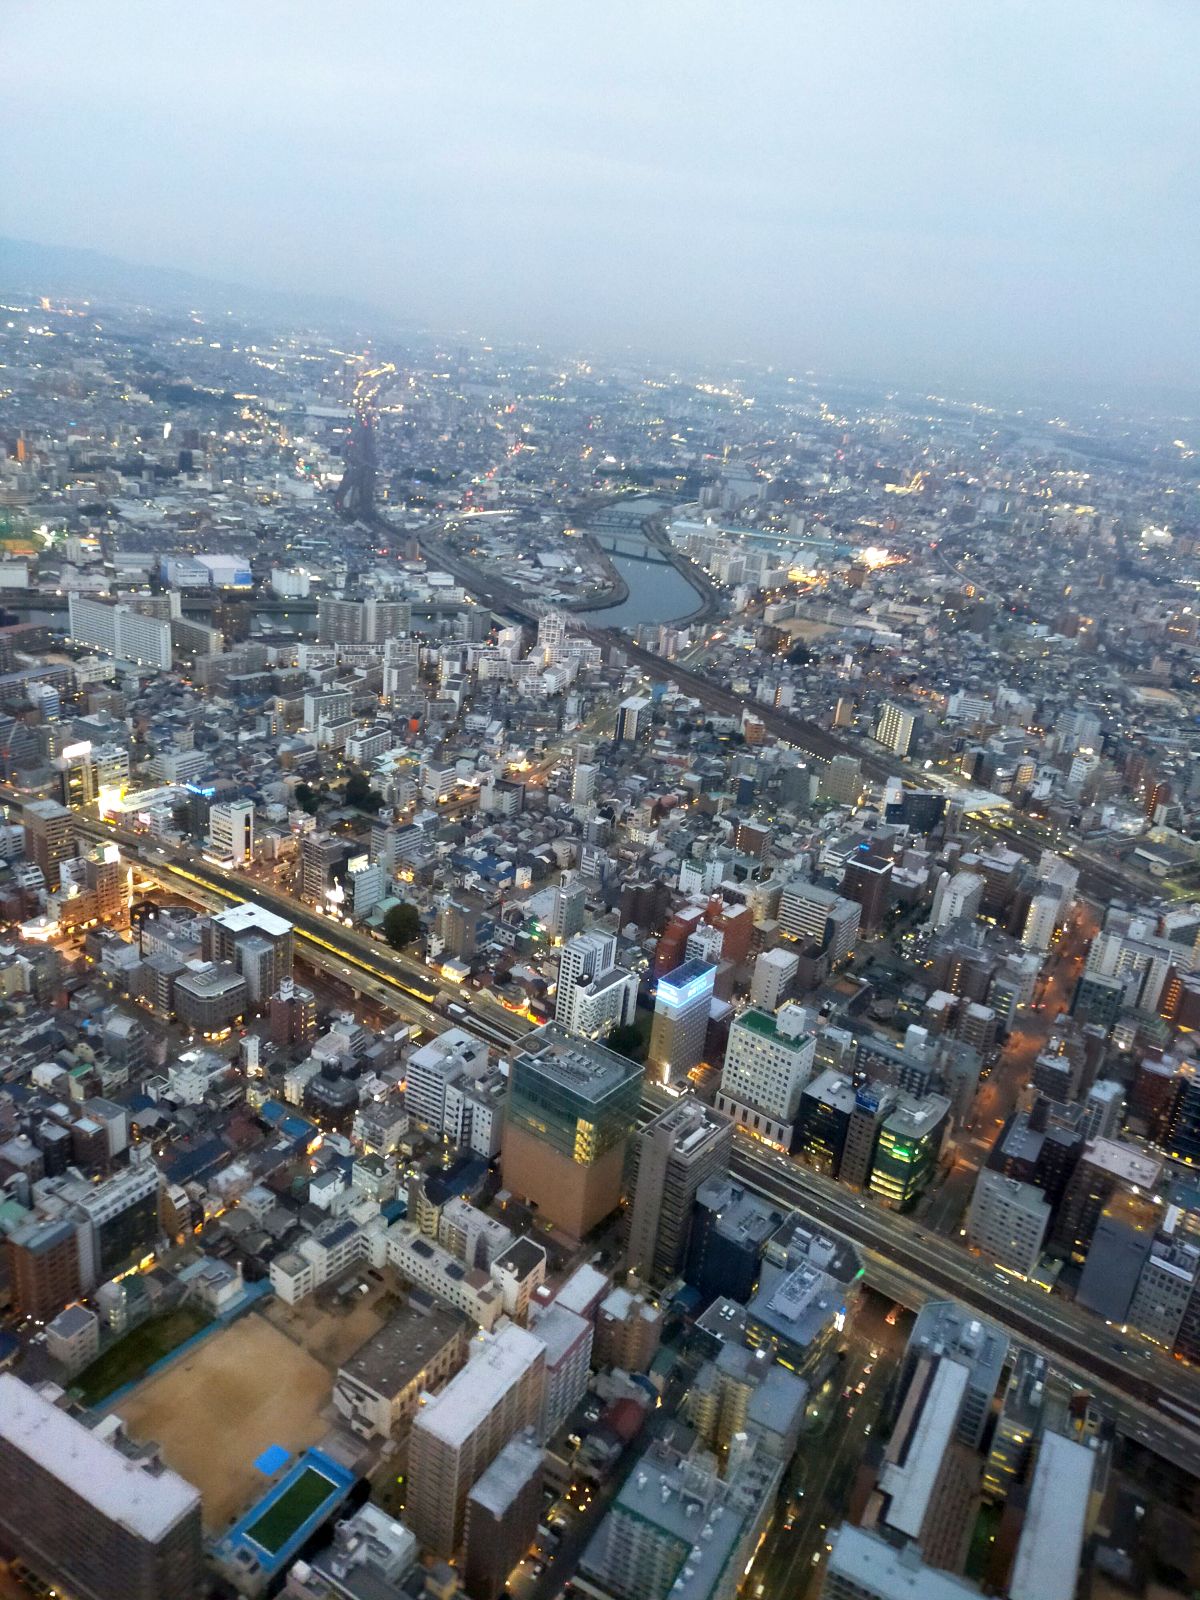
[
  {"x": 307, "y": 798},
  {"x": 627, "y": 1041},
  {"x": 360, "y": 794},
  {"x": 401, "y": 925}
]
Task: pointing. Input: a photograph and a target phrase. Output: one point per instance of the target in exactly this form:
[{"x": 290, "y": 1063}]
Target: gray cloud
[{"x": 979, "y": 190}]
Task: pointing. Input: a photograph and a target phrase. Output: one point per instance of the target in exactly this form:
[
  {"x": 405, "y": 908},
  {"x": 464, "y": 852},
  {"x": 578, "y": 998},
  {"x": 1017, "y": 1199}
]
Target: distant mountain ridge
[{"x": 49, "y": 269}]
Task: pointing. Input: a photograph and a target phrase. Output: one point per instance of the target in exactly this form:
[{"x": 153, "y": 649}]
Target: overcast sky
[{"x": 958, "y": 190}]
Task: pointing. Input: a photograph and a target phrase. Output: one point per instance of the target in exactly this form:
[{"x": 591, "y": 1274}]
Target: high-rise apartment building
[
  {"x": 896, "y": 728},
  {"x": 502, "y": 1516},
  {"x": 633, "y": 719},
  {"x": 119, "y": 631},
  {"x": 682, "y": 1004},
  {"x": 572, "y": 1106},
  {"x": 670, "y": 1158},
  {"x": 456, "y": 1437},
  {"x": 594, "y": 995},
  {"x": 362, "y": 621},
  {"x": 86, "y": 1518},
  {"x": 928, "y": 1481}
]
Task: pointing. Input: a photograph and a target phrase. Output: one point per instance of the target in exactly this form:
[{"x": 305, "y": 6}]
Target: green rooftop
[{"x": 762, "y": 1022}]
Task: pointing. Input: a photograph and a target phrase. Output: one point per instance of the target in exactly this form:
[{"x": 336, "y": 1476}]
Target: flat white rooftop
[
  {"x": 498, "y": 1362},
  {"x": 1047, "y": 1564},
  {"x": 240, "y": 918},
  {"x": 148, "y": 1503}
]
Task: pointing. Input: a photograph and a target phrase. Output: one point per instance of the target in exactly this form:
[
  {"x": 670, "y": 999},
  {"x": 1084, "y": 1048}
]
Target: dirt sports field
[{"x": 220, "y": 1405}]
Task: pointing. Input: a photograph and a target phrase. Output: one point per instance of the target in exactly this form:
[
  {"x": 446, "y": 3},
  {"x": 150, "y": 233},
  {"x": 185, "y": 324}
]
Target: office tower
[
  {"x": 1008, "y": 1221},
  {"x": 231, "y": 831},
  {"x": 567, "y": 906},
  {"x": 85, "y": 1517},
  {"x": 681, "y": 1009},
  {"x": 682, "y": 1148},
  {"x": 675, "y": 1514},
  {"x": 768, "y": 1061},
  {"x": 49, "y": 837},
  {"x": 896, "y": 728},
  {"x": 122, "y": 1216},
  {"x": 1119, "y": 1251},
  {"x": 1104, "y": 1109},
  {"x": 945, "y": 1328},
  {"x": 864, "y": 1566},
  {"x": 44, "y": 1267},
  {"x": 446, "y": 1059},
  {"x": 1104, "y": 1168},
  {"x": 118, "y": 631},
  {"x": 1165, "y": 1289},
  {"x": 1017, "y": 1426},
  {"x": 729, "y": 1232},
  {"x": 928, "y": 1481},
  {"x": 808, "y": 913},
  {"x": 1056, "y": 1521},
  {"x": 774, "y": 973},
  {"x": 633, "y": 719},
  {"x": 257, "y": 943},
  {"x": 867, "y": 880},
  {"x": 319, "y": 854},
  {"x": 583, "y": 783},
  {"x": 908, "y": 1149},
  {"x": 80, "y": 783},
  {"x": 842, "y": 780},
  {"x": 572, "y": 1106},
  {"x": 502, "y": 1517},
  {"x": 457, "y": 1436},
  {"x": 209, "y": 996}
]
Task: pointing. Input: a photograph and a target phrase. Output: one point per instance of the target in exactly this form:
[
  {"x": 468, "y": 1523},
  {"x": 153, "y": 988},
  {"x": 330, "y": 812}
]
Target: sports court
[{"x": 223, "y": 1404}]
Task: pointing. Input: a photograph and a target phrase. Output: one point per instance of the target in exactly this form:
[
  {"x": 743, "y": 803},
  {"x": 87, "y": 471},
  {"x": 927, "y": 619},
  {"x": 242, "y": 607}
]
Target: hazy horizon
[{"x": 914, "y": 192}]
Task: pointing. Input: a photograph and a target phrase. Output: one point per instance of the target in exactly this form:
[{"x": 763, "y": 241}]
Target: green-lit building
[{"x": 908, "y": 1149}]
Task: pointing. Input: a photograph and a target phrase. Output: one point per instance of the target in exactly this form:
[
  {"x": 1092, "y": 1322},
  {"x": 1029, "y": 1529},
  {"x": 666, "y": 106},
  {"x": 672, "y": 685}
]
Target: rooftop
[
  {"x": 390, "y": 1359},
  {"x": 238, "y": 919},
  {"x": 1051, "y": 1542},
  {"x": 498, "y": 1361},
  {"x": 146, "y": 1499},
  {"x": 577, "y": 1064}
]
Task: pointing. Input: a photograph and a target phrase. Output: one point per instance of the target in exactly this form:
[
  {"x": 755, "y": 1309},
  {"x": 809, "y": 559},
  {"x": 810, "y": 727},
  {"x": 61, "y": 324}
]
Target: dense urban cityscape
[
  {"x": 598, "y": 978},
  {"x": 600, "y": 801}
]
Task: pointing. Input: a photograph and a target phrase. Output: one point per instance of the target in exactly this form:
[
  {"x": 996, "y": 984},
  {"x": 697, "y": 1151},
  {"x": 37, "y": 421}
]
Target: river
[{"x": 658, "y": 592}]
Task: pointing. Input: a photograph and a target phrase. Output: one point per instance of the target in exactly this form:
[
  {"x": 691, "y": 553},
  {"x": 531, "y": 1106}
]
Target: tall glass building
[{"x": 572, "y": 1106}]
